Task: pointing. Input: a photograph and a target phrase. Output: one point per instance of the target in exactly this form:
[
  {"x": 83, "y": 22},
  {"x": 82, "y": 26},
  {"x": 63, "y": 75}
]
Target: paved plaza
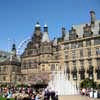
[{"x": 76, "y": 98}]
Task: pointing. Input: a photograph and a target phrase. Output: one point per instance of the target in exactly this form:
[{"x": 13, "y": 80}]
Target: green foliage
[
  {"x": 87, "y": 83},
  {"x": 4, "y": 85},
  {"x": 21, "y": 85},
  {"x": 1, "y": 98}
]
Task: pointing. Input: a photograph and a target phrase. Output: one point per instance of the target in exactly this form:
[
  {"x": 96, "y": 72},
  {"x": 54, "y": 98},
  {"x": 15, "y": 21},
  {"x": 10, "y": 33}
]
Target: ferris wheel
[{"x": 22, "y": 45}]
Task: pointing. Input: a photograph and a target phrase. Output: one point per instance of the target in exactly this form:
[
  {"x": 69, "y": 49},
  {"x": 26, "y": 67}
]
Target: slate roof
[{"x": 5, "y": 59}]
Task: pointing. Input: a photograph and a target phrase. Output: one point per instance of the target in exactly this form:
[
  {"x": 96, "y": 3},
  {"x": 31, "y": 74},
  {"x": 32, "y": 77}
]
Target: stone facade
[
  {"x": 76, "y": 52},
  {"x": 10, "y": 67}
]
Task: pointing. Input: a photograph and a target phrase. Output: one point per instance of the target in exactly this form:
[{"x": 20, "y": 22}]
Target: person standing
[{"x": 52, "y": 95}]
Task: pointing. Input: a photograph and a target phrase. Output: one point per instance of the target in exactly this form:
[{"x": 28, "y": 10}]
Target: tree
[{"x": 87, "y": 83}]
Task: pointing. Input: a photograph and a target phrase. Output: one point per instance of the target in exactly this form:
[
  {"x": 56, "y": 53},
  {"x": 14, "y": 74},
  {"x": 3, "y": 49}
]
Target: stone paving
[{"x": 76, "y": 98}]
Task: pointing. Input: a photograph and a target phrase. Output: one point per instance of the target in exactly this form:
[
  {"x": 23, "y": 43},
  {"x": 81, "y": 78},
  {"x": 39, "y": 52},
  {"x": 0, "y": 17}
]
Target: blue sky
[{"x": 18, "y": 17}]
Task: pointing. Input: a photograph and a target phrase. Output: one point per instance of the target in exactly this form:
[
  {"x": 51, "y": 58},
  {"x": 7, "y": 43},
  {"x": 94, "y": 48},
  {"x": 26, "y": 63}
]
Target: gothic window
[
  {"x": 59, "y": 47},
  {"x": 33, "y": 65},
  {"x": 66, "y": 46},
  {"x": 67, "y": 71},
  {"x": 66, "y": 51},
  {"x": 30, "y": 52},
  {"x": 73, "y": 54},
  {"x": 25, "y": 65},
  {"x": 80, "y": 44},
  {"x": 52, "y": 67},
  {"x": 30, "y": 64},
  {"x": 74, "y": 63},
  {"x": 43, "y": 67},
  {"x": 67, "y": 65},
  {"x": 97, "y": 41},
  {"x": 3, "y": 69},
  {"x": 75, "y": 76},
  {"x": 98, "y": 62},
  {"x": 74, "y": 73},
  {"x": 82, "y": 76},
  {"x": 88, "y": 42},
  {"x": 98, "y": 72},
  {"x": 4, "y": 78},
  {"x": 90, "y": 62},
  {"x": 81, "y": 63},
  {"x": 90, "y": 71},
  {"x": 89, "y": 52},
  {"x": 98, "y": 75},
  {"x": 81, "y": 53},
  {"x": 82, "y": 70},
  {"x": 73, "y": 45},
  {"x": 97, "y": 51},
  {"x": 13, "y": 68},
  {"x": 66, "y": 57}
]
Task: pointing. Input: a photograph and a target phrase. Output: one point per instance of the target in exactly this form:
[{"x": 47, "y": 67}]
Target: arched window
[
  {"x": 74, "y": 73},
  {"x": 90, "y": 72},
  {"x": 82, "y": 73}
]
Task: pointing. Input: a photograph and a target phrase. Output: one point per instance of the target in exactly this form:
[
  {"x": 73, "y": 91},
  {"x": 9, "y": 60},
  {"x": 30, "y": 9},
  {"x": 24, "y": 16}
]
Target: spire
[
  {"x": 45, "y": 28},
  {"x": 37, "y": 31},
  {"x": 45, "y": 37},
  {"x": 37, "y": 24}
]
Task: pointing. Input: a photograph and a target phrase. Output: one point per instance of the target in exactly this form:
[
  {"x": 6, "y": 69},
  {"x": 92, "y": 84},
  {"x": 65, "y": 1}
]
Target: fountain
[{"x": 62, "y": 85}]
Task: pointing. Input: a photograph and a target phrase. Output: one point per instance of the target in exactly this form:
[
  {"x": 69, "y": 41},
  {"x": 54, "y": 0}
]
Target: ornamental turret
[
  {"x": 45, "y": 28},
  {"x": 45, "y": 37},
  {"x": 36, "y": 38},
  {"x": 14, "y": 50},
  {"x": 93, "y": 18},
  {"x": 37, "y": 26},
  {"x": 63, "y": 32}
]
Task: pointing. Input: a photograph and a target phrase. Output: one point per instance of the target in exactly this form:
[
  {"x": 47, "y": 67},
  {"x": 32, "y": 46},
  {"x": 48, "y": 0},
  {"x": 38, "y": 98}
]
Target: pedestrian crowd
[{"x": 28, "y": 93}]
